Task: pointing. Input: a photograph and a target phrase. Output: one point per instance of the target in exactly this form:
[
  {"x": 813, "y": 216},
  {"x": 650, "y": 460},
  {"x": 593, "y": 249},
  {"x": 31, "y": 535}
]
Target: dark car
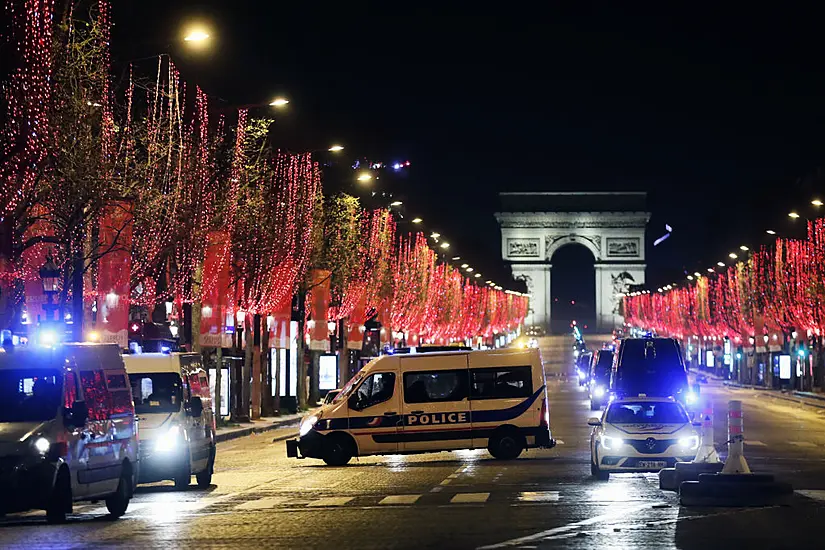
[
  {"x": 583, "y": 367},
  {"x": 652, "y": 367},
  {"x": 601, "y": 367}
]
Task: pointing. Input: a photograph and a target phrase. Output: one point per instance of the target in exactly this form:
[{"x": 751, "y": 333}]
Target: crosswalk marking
[
  {"x": 262, "y": 503},
  {"x": 539, "y": 496},
  {"x": 815, "y": 494},
  {"x": 559, "y": 442},
  {"x": 470, "y": 498},
  {"x": 330, "y": 501},
  {"x": 754, "y": 443},
  {"x": 802, "y": 443},
  {"x": 400, "y": 499}
]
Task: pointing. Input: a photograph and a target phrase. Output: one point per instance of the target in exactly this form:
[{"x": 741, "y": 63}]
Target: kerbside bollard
[
  {"x": 705, "y": 461},
  {"x": 736, "y": 485}
]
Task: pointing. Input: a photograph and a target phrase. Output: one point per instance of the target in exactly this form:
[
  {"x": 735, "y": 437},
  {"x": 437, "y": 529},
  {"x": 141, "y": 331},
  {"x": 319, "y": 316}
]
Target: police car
[
  {"x": 641, "y": 434},
  {"x": 430, "y": 402}
]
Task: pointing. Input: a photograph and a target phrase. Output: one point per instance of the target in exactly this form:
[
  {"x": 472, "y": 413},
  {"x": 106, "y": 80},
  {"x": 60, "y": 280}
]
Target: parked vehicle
[
  {"x": 67, "y": 429},
  {"x": 654, "y": 367},
  {"x": 177, "y": 426},
  {"x": 494, "y": 399},
  {"x": 601, "y": 367}
]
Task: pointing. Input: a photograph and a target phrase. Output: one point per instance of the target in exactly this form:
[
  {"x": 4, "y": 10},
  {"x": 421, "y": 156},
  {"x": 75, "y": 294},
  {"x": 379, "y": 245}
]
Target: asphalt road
[{"x": 546, "y": 499}]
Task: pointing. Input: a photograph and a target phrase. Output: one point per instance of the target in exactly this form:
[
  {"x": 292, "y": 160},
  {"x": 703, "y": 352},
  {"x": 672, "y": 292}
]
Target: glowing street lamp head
[
  {"x": 793, "y": 215},
  {"x": 364, "y": 176},
  {"x": 280, "y": 102},
  {"x": 445, "y": 245},
  {"x": 770, "y": 232},
  {"x": 744, "y": 248},
  {"x": 396, "y": 203},
  {"x": 733, "y": 255},
  {"x": 417, "y": 220},
  {"x": 197, "y": 36},
  {"x": 336, "y": 148},
  {"x": 720, "y": 264},
  {"x": 817, "y": 202}
]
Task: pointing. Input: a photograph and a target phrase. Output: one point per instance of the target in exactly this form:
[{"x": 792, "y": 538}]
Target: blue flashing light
[
  {"x": 165, "y": 349},
  {"x": 801, "y": 352}
]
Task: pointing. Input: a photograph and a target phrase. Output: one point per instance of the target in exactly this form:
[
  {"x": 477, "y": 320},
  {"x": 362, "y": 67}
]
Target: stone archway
[{"x": 611, "y": 225}]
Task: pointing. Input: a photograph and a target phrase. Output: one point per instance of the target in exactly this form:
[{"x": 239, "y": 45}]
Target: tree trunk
[
  {"x": 277, "y": 399},
  {"x": 266, "y": 371},
  {"x": 218, "y": 381},
  {"x": 256, "y": 367},
  {"x": 78, "y": 265},
  {"x": 197, "y": 281},
  {"x": 314, "y": 389},
  {"x": 301, "y": 382},
  {"x": 246, "y": 371}
]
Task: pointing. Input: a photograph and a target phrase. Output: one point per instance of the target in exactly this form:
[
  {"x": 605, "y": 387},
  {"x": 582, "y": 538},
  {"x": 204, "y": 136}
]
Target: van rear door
[{"x": 436, "y": 404}]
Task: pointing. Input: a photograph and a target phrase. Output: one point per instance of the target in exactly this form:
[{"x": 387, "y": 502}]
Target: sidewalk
[
  {"x": 808, "y": 399},
  {"x": 265, "y": 424}
]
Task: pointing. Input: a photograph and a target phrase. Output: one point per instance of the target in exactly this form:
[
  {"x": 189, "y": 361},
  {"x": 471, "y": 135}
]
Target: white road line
[
  {"x": 400, "y": 499},
  {"x": 802, "y": 443},
  {"x": 470, "y": 498},
  {"x": 754, "y": 443},
  {"x": 445, "y": 482},
  {"x": 261, "y": 504},
  {"x": 452, "y": 476},
  {"x": 618, "y": 513},
  {"x": 330, "y": 501},
  {"x": 436, "y": 489},
  {"x": 539, "y": 496},
  {"x": 559, "y": 442},
  {"x": 816, "y": 494}
]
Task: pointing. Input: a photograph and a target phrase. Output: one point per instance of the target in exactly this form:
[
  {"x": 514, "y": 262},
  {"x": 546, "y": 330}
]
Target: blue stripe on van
[{"x": 383, "y": 422}]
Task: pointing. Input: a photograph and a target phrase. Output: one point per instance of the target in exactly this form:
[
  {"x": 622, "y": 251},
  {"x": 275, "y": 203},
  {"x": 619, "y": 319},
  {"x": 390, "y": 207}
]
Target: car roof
[{"x": 643, "y": 400}]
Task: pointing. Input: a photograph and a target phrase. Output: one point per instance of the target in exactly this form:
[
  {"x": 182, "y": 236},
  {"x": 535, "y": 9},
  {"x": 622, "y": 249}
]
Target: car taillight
[{"x": 545, "y": 413}]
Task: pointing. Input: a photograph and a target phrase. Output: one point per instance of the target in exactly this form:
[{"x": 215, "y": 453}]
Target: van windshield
[
  {"x": 354, "y": 381},
  {"x": 156, "y": 392},
  {"x": 28, "y": 395}
]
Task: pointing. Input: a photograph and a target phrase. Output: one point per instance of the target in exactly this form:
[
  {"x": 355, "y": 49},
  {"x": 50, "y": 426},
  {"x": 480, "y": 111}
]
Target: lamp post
[{"x": 50, "y": 278}]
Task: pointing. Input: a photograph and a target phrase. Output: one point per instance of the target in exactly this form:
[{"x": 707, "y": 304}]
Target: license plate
[{"x": 652, "y": 464}]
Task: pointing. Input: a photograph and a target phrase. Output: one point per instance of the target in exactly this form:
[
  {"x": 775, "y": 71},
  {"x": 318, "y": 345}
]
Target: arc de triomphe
[{"x": 534, "y": 225}]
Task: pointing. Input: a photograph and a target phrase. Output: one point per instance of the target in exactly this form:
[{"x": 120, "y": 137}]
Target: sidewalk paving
[
  {"x": 265, "y": 424},
  {"x": 808, "y": 399}
]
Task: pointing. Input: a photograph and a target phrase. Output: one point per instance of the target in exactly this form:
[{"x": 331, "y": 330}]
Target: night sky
[{"x": 720, "y": 117}]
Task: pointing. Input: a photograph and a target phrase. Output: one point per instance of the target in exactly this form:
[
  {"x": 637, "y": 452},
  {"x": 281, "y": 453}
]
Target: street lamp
[
  {"x": 336, "y": 149},
  {"x": 197, "y": 36},
  {"x": 720, "y": 264},
  {"x": 417, "y": 220},
  {"x": 279, "y": 102},
  {"x": 445, "y": 245},
  {"x": 744, "y": 248},
  {"x": 396, "y": 203},
  {"x": 770, "y": 232},
  {"x": 50, "y": 278},
  {"x": 733, "y": 255},
  {"x": 364, "y": 177},
  {"x": 793, "y": 215},
  {"x": 817, "y": 202}
]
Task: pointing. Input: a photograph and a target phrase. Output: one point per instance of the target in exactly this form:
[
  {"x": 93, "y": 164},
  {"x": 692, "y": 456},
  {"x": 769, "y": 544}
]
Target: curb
[
  {"x": 783, "y": 396},
  {"x": 243, "y": 432}
]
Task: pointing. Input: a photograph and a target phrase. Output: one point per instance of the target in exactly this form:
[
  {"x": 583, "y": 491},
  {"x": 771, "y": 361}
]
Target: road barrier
[
  {"x": 736, "y": 485},
  {"x": 706, "y": 459}
]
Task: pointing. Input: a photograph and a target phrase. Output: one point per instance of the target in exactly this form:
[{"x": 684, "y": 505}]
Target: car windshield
[
  {"x": 646, "y": 413},
  {"x": 602, "y": 369},
  {"x": 156, "y": 392},
  {"x": 30, "y": 395}
]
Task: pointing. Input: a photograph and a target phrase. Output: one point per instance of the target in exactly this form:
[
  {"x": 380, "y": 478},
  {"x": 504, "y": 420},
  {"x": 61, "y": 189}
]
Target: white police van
[
  {"x": 174, "y": 407},
  {"x": 430, "y": 402},
  {"x": 67, "y": 429}
]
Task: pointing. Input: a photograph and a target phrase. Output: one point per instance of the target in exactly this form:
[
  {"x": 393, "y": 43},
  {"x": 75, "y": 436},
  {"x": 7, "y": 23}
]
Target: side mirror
[
  {"x": 195, "y": 407},
  {"x": 594, "y": 422},
  {"x": 77, "y": 415},
  {"x": 355, "y": 403}
]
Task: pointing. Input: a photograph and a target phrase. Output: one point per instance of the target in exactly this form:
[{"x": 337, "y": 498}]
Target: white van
[
  {"x": 429, "y": 402},
  {"x": 174, "y": 408},
  {"x": 67, "y": 429}
]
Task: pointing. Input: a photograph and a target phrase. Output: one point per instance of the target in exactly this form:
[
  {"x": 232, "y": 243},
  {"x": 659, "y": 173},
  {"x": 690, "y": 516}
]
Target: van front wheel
[
  {"x": 119, "y": 501},
  {"x": 336, "y": 451},
  {"x": 184, "y": 477},
  {"x": 506, "y": 445},
  {"x": 60, "y": 501}
]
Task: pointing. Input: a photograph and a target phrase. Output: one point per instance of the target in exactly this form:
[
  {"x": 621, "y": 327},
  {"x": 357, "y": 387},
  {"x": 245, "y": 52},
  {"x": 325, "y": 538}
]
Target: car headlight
[
  {"x": 691, "y": 397},
  {"x": 580, "y": 373},
  {"x": 599, "y": 391},
  {"x": 42, "y": 445},
  {"x": 690, "y": 443},
  {"x": 169, "y": 440},
  {"x": 611, "y": 443},
  {"x": 307, "y": 424}
]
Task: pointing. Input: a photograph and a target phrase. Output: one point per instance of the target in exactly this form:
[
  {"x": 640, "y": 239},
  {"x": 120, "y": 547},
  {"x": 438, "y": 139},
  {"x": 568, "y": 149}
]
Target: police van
[
  {"x": 67, "y": 429},
  {"x": 412, "y": 403},
  {"x": 174, "y": 407}
]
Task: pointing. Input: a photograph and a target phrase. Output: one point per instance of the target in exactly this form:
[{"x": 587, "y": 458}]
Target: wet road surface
[{"x": 465, "y": 499}]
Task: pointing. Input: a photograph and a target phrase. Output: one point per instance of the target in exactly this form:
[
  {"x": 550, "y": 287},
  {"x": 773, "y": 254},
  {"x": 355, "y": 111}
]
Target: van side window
[
  {"x": 98, "y": 399},
  {"x": 121, "y": 393},
  {"x": 501, "y": 382},
  {"x": 374, "y": 390},
  {"x": 435, "y": 386}
]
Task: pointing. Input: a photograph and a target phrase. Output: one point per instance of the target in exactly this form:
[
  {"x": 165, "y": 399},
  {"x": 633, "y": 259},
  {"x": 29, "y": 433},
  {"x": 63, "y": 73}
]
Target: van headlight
[
  {"x": 690, "y": 443},
  {"x": 42, "y": 445},
  {"x": 691, "y": 397},
  {"x": 611, "y": 443},
  {"x": 170, "y": 440},
  {"x": 307, "y": 424},
  {"x": 599, "y": 391}
]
